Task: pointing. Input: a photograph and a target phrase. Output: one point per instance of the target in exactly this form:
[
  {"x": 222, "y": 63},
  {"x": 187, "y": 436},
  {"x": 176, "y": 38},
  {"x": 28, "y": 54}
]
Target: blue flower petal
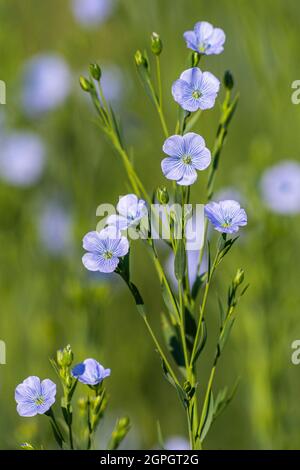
[
  {"x": 108, "y": 265},
  {"x": 92, "y": 242},
  {"x": 203, "y": 31},
  {"x": 172, "y": 168},
  {"x": 191, "y": 40},
  {"x": 189, "y": 176},
  {"x": 192, "y": 75},
  {"x": 92, "y": 261},
  {"x": 174, "y": 146}
]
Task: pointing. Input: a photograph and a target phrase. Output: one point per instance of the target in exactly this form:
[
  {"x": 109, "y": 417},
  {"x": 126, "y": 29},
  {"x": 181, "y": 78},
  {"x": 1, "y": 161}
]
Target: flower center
[
  {"x": 108, "y": 255},
  {"x": 187, "y": 159},
  {"x": 196, "y": 94},
  {"x": 202, "y": 47},
  {"x": 227, "y": 223},
  {"x": 39, "y": 400}
]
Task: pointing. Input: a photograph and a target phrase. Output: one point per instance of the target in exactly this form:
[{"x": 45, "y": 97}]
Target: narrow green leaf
[
  {"x": 172, "y": 341},
  {"x": 180, "y": 260}
]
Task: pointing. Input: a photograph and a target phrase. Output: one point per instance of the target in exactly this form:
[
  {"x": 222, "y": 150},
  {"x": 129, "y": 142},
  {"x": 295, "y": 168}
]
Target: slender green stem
[
  {"x": 158, "y": 73},
  {"x": 51, "y": 415},
  {"x": 162, "y": 354},
  {"x": 193, "y": 120},
  {"x": 159, "y": 110},
  {"x": 202, "y": 309}
]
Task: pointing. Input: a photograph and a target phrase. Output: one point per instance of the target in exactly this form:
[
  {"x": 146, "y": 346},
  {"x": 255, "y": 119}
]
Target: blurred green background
[{"x": 48, "y": 299}]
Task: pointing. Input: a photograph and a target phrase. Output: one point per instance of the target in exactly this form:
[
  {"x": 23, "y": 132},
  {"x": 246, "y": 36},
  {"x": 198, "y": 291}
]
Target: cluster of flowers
[
  {"x": 194, "y": 90},
  {"x": 35, "y": 396}
]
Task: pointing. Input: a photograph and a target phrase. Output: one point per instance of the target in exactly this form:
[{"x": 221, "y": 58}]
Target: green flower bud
[
  {"x": 85, "y": 84},
  {"x": 239, "y": 278},
  {"x": 228, "y": 80},
  {"x": 95, "y": 71},
  {"x": 162, "y": 195},
  {"x": 140, "y": 60},
  {"x": 124, "y": 422},
  {"x": 156, "y": 44},
  {"x": 64, "y": 356}
]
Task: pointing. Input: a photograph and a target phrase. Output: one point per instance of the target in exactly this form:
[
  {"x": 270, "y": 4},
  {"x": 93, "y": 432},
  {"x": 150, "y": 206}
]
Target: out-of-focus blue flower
[
  {"x": 55, "y": 228},
  {"x": 280, "y": 187},
  {"x": 177, "y": 443},
  {"x": 46, "y": 83},
  {"x": 195, "y": 89},
  {"x": 186, "y": 155},
  {"x": 22, "y": 158},
  {"x": 104, "y": 250},
  {"x": 34, "y": 396},
  {"x": 91, "y": 13},
  {"x": 205, "y": 39},
  {"x": 131, "y": 211},
  {"x": 226, "y": 216},
  {"x": 90, "y": 372},
  {"x": 112, "y": 82}
]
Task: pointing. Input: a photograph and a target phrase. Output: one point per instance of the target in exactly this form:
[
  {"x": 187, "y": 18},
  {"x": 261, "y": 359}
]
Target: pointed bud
[
  {"x": 162, "y": 195},
  {"x": 156, "y": 44},
  {"x": 140, "y": 60},
  {"x": 85, "y": 84},
  {"x": 64, "y": 356},
  {"x": 239, "y": 278},
  {"x": 95, "y": 71},
  {"x": 228, "y": 80}
]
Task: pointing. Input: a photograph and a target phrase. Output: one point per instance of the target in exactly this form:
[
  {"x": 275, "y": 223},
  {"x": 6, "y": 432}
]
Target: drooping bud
[
  {"x": 156, "y": 44},
  {"x": 95, "y": 71},
  {"x": 85, "y": 84},
  {"x": 228, "y": 80},
  {"x": 162, "y": 195}
]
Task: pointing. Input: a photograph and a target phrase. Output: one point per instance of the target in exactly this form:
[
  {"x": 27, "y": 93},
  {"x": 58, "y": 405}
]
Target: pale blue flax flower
[
  {"x": 90, "y": 372},
  {"x": 226, "y": 216},
  {"x": 105, "y": 249},
  {"x": 186, "y": 155},
  {"x": 91, "y": 13},
  {"x": 22, "y": 158},
  {"x": 46, "y": 83},
  {"x": 205, "y": 39},
  {"x": 195, "y": 89},
  {"x": 280, "y": 187},
  {"x": 131, "y": 211},
  {"x": 34, "y": 396},
  {"x": 55, "y": 228}
]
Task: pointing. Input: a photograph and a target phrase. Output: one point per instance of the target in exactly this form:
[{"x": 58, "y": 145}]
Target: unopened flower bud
[
  {"x": 140, "y": 59},
  {"x": 162, "y": 195},
  {"x": 239, "y": 277},
  {"x": 85, "y": 84},
  {"x": 64, "y": 356},
  {"x": 156, "y": 44},
  {"x": 228, "y": 80},
  {"x": 95, "y": 71}
]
